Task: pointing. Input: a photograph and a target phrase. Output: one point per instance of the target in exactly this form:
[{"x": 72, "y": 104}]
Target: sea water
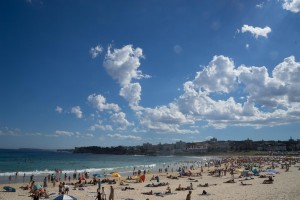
[{"x": 41, "y": 163}]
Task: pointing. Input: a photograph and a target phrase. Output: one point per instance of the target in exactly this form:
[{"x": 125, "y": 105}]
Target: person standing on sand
[
  {"x": 99, "y": 184},
  {"x": 111, "y": 194},
  {"x": 188, "y": 197},
  {"x": 103, "y": 194}
]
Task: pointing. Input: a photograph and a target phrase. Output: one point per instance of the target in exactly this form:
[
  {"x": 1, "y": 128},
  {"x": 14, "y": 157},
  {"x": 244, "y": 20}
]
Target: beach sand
[{"x": 285, "y": 186}]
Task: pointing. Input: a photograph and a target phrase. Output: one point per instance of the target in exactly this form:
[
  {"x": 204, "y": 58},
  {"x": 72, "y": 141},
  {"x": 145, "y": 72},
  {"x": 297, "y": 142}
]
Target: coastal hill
[{"x": 210, "y": 147}]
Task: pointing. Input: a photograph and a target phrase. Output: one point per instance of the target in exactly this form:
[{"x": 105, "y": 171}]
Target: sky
[{"x": 113, "y": 72}]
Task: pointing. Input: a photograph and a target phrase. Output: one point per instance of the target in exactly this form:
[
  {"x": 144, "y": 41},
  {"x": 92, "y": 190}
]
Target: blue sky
[{"x": 108, "y": 73}]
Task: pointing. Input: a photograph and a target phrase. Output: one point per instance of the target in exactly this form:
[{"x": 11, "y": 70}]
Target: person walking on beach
[
  {"x": 111, "y": 194},
  {"x": 103, "y": 194},
  {"x": 98, "y": 197},
  {"x": 188, "y": 196}
]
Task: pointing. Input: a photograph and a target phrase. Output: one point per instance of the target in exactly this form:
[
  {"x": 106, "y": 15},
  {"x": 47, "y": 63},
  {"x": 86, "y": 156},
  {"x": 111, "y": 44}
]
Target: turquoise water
[{"x": 43, "y": 162}]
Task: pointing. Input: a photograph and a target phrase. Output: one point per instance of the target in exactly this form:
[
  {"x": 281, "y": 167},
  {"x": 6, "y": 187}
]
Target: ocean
[{"x": 40, "y": 163}]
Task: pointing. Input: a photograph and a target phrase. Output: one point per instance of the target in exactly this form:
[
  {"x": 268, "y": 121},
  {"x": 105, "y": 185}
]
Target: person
[
  {"x": 66, "y": 189},
  {"x": 268, "y": 181},
  {"x": 60, "y": 188},
  {"x": 111, "y": 194},
  {"x": 98, "y": 197},
  {"x": 45, "y": 182},
  {"x": 36, "y": 195},
  {"x": 168, "y": 191},
  {"x": 179, "y": 188},
  {"x": 191, "y": 186},
  {"x": 188, "y": 196},
  {"x": 99, "y": 184},
  {"x": 245, "y": 183},
  {"x": 204, "y": 192},
  {"x": 9, "y": 179},
  {"x": 230, "y": 181},
  {"x": 148, "y": 193}
]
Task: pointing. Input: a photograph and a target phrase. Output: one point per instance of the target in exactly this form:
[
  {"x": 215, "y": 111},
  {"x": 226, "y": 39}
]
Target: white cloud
[
  {"x": 269, "y": 101},
  {"x": 291, "y": 5},
  {"x": 119, "y": 119},
  {"x": 95, "y": 51},
  {"x": 127, "y": 137},
  {"x": 122, "y": 64},
  {"x": 257, "y": 31},
  {"x": 261, "y": 5},
  {"x": 101, "y": 127},
  {"x": 58, "y": 109},
  {"x": 59, "y": 133},
  {"x": 210, "y": 97},
  {"x": 247, "y": 46},
  {"x": 99, "y": 102},
  {"x": 164, "y": 119},
  {"x": 218, "y": 76},
  {"x": 77, "y": 111},
  {"x": 132, "y": 93}
]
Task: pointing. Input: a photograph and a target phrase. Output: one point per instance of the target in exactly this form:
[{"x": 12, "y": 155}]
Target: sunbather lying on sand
[
  {"x": 245, "y": 183},
  {"x": 127, "y": 188},
  {"x": 148, "y": 193},
  {"x": 230, "y": 181},
  {"x": 156, "y": 185},
  {"x": 206, "y": 185}
]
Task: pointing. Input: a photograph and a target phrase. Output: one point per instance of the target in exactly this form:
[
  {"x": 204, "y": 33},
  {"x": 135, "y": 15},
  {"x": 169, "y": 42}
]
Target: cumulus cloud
[
  {"x": 126, "y": 137},
  {"x": 119, "y": 119},
  {"x": 257, "y": 31},
  {"x": 77, "y": 111},
  {"x": 58, "y": 109},
  {"x": 132, "y": 93},
  {"x": 271, "y": 100},
  {"x": 164, "y": 119},
  {"x": 95, "y": 51},
  {"x": 291, "y": 5},
  {"x": 99, "y": 102},
  {"x": 218, "y": 76},
  {"x": 122, "y": 64}
]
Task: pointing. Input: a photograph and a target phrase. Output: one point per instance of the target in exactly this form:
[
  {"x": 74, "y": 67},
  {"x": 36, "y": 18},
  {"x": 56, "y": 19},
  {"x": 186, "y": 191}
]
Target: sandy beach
[{"x": 286, "y": 185}]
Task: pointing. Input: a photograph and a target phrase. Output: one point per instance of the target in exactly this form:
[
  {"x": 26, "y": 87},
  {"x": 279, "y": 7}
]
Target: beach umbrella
[
  {"x": 115, "y": 174},
  {"x": 36, "y": 187},
  {"x": 97, "y": 175},
  {"x": 65, "y": 197}
]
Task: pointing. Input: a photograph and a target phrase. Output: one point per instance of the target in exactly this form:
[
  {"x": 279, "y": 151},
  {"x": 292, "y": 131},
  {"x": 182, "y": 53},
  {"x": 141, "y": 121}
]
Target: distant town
[{"x": 209, "y": 147}]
